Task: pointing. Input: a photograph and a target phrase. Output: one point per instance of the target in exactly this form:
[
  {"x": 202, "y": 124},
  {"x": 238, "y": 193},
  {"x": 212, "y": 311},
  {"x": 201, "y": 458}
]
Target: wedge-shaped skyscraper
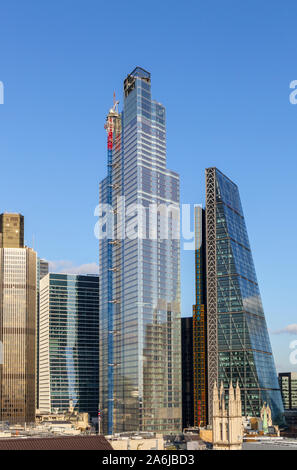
[{"x": 237, "y": 338}]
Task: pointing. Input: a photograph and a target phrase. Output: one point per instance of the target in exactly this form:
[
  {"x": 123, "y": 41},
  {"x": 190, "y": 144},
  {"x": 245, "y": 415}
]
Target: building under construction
[
  {"x": 200, "y": 324},
  {"x": 140, "y": 350}
]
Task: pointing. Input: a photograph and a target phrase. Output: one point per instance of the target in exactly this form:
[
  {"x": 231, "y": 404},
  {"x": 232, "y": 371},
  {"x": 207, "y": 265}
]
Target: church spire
[
  {"x": 222, "y": 396},
  {"x": 216, "y": 400}
]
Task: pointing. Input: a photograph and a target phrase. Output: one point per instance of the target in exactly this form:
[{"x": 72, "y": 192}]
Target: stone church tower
[{"x": 227, "y": 427}]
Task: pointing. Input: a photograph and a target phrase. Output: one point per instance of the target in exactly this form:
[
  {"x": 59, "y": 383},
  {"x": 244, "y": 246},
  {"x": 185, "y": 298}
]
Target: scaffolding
[
  {"x": 200, "y": 326},
  {"x": 113, "y": 129}
]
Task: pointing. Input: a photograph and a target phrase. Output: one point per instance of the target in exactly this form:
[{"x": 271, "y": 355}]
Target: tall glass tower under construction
[{"x": 140, "y": 351}]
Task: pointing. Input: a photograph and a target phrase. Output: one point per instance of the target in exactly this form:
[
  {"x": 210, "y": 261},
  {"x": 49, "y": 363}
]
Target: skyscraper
[
  {"x": 69, "y": 343},
  {"x": 238, "y": 343},
  {"x": 11, "y": 231},
  {"x": 288, "y": 386},
  {"x": 140, "y": 351},
  {"x": 187, "y": 371},
  {"x": 42, "y": 270},
  {"x": 17, "y": 322},
  {"x": 200, "y": 324}
]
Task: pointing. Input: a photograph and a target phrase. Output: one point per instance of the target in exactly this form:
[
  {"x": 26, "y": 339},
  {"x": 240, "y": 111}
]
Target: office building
[
  {"x": 238, "y": 344},
  {"x": 11, "y": 231},
  {"x": 200, "y": 324},
  {"x": 69, "y": 343},
  {"x": 288, "y": 387},
  {"x": 187, "y": 372},
  {"x": 17, "y": 322},
  {"x": 140, "y": 347},
  {"x": 42, "y": 270}
]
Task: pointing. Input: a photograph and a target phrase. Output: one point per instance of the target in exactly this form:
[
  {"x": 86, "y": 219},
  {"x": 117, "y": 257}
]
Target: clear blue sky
[{"x": 221, "y": 68}]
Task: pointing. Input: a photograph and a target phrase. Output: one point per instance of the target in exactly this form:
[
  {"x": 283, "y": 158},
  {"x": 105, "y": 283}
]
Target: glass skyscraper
[
  {"x": 69, "y": 343},
  {"x": 11, "y": 230},
  {"x": 237, "y": 338},
  {"x": 140, "y": 350}
]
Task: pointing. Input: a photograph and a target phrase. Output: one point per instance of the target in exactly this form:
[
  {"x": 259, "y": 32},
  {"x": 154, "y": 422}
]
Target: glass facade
[
  {"x": 140, "y": 350},
  {"x": 200, "y": 324},
  {"x": 11, "y": 231},
  {"x": 243, "y": 345},
  {"x": 69, "y": 343}
]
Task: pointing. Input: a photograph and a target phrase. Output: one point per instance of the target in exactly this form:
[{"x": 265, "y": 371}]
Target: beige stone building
[
  {"x": 11, "y": 231},
  {"x": 227, "y": 425},
  {"x": 79, "y": 421}
]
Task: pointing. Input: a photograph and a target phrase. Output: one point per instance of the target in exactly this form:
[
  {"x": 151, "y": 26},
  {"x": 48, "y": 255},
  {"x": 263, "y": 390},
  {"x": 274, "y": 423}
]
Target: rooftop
[
  {"x": 271, "y": 444},
  {"x": 94, "y": 442},
  {"x": 140, "y": 73}
]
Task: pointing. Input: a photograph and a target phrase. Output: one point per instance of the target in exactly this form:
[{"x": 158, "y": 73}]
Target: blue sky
[{"x": 221, "y": 68}]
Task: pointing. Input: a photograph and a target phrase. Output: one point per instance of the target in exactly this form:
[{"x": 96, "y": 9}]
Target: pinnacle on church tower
[{"x": 231, "y": 392}]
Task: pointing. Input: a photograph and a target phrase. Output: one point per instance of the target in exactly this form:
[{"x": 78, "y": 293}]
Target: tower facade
[
  {"x": 237, "y": 338},
  {"x": 227, "y": 426},
  {"x": 140, "y": 350},
  {"x": 69, "y": 343},
  {"x": 11, "y": 230},
  {"x": 187, "y": 371},
  {"x": 17, "y": 323},
  {"x": 200, "y": 386}
]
